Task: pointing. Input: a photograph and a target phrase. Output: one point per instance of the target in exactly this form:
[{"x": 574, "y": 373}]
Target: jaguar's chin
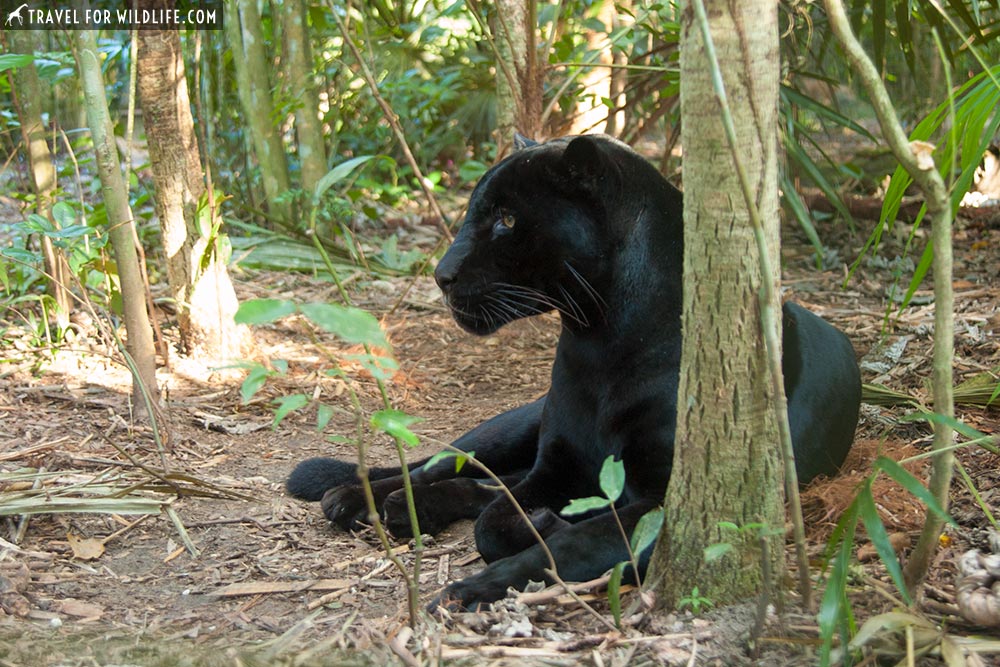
[
  {"x": 477, "y": 316},
  {"x": 478, "y": 324}
]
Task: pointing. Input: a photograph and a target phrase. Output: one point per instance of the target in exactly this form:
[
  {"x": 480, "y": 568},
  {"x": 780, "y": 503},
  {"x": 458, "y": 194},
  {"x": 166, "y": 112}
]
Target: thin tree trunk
[
  {"x": 195, "y": 248},
  {"x": 139, "y": 343},
  {"x": 27, "y": 92},
  {"x": 308, "y": 130},
  {"x": 519, "y": 89},
  {"x": 601, "y": 81},
  {"x": 243, "y": 28},
  {"x": 727, "y": 465},
  {"x": 925, "y": 174},
  {"x": 620, "y": 13}
]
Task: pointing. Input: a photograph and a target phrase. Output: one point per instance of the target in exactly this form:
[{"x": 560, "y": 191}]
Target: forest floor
[{"x": 271, "y": 582}]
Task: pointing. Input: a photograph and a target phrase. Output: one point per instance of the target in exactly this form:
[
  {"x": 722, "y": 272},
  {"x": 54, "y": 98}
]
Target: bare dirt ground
[{"x": 270, "y": 582}]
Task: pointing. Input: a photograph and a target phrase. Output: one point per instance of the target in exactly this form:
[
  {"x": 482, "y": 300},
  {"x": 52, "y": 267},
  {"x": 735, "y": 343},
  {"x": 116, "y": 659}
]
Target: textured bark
[
  {"x": 519, "y": 87},
  {"x": 308, "y": 130},
  {"x": 727, "y": 464},
  {"x": 243, "y": 29},
  {"x": 28, "y": 100},
  {"x": 199, "y": 282},
  {"x": 121, "y": 224}
]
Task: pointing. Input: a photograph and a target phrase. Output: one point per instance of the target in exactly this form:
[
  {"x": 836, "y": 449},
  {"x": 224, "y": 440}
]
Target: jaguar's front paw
[
  {"x": 472, "y": 594},
  {"x": 431, "y": 507},
  {"x": 345, "y": 506}
]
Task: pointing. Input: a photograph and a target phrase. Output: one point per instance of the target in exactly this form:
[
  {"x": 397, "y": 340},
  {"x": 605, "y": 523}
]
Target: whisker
[
  {"x": 577, "y": 310},
  {"x": 589, "y": 289}
]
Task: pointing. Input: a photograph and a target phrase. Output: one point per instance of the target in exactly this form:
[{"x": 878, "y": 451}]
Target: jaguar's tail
[{"x": 313, "y": 477}]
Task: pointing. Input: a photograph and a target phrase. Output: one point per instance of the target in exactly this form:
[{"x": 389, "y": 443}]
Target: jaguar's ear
[
  {"x": 583, "y": 162},
  {"x": 521, "y": 142}
]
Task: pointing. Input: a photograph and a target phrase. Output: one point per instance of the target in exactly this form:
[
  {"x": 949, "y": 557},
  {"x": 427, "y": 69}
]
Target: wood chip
[{"x": 266, "y": 587}]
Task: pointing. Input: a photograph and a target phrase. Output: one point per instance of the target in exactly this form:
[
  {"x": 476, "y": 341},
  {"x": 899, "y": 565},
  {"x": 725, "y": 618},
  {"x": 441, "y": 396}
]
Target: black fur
[
  {"x": 314, "y": 477},
  {"x": 585, "y": 226}
]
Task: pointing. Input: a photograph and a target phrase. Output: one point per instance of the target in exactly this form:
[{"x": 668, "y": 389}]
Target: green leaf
[
  {"x": 38, "y": 223},
  {"x": 615, "y": 593},
  {"x": 381, "y": 368},
  {"x": 926, "y": 260},
  {"x": 880, "y": 538},
  {"x": 253, "y": 382},
  {"x": 397, "y": 424},
  {"x": 717, "y": 551},
  {"x": 797, "y": 154},
  {"x": 612, "y": 478},
  {"x": 350, "y": 324},
  {"x": 801, "y": 213},
  {"x": 324, "y": 413},
  {"x": 834, "y": 611},
  {"x": 287, "y": 404},
  {"x": 15, "y": 60},
  {"x": 460, "y": 459},
  {"x": 793, "y": 96},
  {"x": 63, "y": 214},
  {"x": 956, "y": 425},
  {"x": 263, "y": 311},
  {"x": 337, "y": 174},
  {"x": 584, "y": 505},
  {"x": 471, "y": 170},
  {"x": 647, "y": 529},
  {"x": 891, "y": 622},
  {"x": 899, "y": 474}
]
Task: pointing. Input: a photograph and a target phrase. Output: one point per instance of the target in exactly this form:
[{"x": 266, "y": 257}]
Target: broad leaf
[
  {"x": 350, "y": 324},
  {"x": 287, "y": 404},
  {"x": 15, "y": 60},
  {"x": 647, "y": 529},
  {"x": 584, "y": 505},
  {"x": 460, "y": 459},
  {"x": 337, "y": 174},
  {"x": 612, "y": 478},
  {"x": 615, "y": 592},
  {"x": 324, "y": 413},
  {"x": 263, "y": 311},
  {"x": 397, "y": 424},
  {"x": 254, "y": 380}
]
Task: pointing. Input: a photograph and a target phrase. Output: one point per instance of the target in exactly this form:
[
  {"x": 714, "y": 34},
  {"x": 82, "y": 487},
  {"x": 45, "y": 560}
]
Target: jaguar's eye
[{"x": 503, "y": 224}]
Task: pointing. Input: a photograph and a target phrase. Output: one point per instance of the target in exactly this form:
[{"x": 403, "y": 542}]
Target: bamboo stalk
[
  {"x": 915, "y": 159},
  {"x": 120, "y": 220}
]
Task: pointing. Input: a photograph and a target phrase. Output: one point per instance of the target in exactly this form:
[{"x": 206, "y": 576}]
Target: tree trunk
[
  {"x": 519, "y": 87},
  {"x": 28, "y": 100},
  {"x": 727, "y": 464},
  {"x": 243, "y": 28},
  {"x": 121, "y": 224},
  {"x": 308, "y": 130},
  {"x": 601, "y": 81},
  {"x": 195, "y": 249}
]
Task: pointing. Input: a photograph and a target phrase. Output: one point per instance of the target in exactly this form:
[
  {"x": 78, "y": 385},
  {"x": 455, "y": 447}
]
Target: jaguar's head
[{"x": 537, "y": 236}]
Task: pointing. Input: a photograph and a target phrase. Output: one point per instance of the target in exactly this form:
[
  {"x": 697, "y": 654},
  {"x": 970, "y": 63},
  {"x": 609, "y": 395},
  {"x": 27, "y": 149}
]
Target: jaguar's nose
[
  {"x": 444, "y": 277},
  {"x": 446, "y": 272}
]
